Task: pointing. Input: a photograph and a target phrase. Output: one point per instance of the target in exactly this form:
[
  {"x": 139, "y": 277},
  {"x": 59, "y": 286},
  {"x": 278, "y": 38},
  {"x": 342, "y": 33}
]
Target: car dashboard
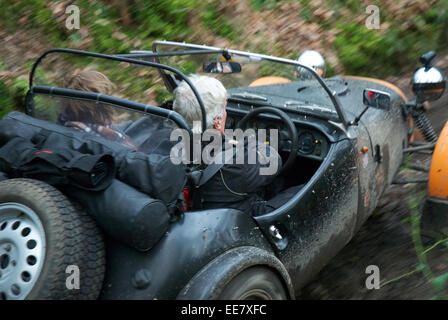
[{"x": 313, "y": 144}]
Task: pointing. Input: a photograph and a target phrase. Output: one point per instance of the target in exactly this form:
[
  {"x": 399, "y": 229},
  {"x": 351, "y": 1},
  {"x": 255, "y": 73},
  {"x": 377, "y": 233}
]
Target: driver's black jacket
[{"x": 241, "y": 186}]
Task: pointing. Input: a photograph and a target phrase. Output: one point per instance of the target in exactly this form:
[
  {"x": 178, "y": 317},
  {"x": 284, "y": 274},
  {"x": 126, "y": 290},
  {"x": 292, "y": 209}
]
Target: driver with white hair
[
  {"x": 214, "y": 97},
  {"x": 238, "y": 186}
]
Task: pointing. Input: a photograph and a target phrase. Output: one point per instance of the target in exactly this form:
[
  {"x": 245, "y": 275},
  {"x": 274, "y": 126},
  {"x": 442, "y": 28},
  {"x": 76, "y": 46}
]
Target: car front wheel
[{"x": 255, "y": 283}]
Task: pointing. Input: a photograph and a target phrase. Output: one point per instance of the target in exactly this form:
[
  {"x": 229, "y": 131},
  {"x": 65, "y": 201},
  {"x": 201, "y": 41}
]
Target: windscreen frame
[{"x": 225, "y": 51}]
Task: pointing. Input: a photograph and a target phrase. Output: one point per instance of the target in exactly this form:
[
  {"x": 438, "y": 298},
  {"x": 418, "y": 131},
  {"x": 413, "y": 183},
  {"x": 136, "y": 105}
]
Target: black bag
[
  {"x": 122, "y": 211},
  {"x": 125, "y": 214},
  {"x": 153, "y": 174},
  {"x": 40, "y": 132},
  {"x": 20, "y": 158},
  {"x": 166, "y": 179}
]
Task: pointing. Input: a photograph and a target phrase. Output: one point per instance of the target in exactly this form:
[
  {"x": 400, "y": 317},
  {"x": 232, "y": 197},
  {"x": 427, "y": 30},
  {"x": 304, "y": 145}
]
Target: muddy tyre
[
  {"x": 41, "y": 235},
  {"x": 256, "y": 283}
]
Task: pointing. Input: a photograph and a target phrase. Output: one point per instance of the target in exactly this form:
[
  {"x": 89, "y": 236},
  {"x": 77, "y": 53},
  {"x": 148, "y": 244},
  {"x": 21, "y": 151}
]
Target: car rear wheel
[
  {"x": 255, "y": 283},
  {"x": 41, "y": 234}
]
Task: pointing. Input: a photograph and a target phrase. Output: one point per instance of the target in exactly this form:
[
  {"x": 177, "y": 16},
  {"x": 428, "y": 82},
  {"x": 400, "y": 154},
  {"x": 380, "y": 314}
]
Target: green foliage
[
  {"x": 12, "y": 96},
  {"x": 441, "y": 280},
  {"x": 37, "y": 16},
  {"x": 215, "y": 21},
  {"x": 367, "y": 52},
  {"x": 162, "y": 94},
  {"x": 19, "y": 90},
  {"x": 306, "y": 13},
  {"x": 5, "y": 100},
  {"x": 47, "y": 107},
  {"x": 163, "y": 19},
  {"x": 187, "y": 67},
  {"x": 359, "y": 49},
  {"x": 274, "y": 69},
  {"x": 101, "y": 20},
  {"x": 391, "y": 50},
  {"x": 261, "y": 4},
  {"x": 354, "y": 6}
]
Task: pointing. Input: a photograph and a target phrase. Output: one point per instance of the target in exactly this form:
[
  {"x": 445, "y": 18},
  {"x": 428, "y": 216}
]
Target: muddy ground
[{"x": 385, "y": 240}]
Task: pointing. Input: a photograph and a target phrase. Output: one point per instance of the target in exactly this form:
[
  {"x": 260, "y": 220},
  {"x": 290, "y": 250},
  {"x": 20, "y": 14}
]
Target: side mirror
[
  {"x": 376, "y": 99},
  {"x": 372, "y": 99},
  {"x": 221, "y": 67},
  {"x": 428, "y": 82}
]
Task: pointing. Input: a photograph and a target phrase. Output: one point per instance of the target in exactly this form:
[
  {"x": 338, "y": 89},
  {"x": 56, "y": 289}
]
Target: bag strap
[
  {"x": 208, "y": 173},
  {"x": 198, "y": 178},
  {"x": 39, "y": 138},
  {"x": 214, "y": 167}
]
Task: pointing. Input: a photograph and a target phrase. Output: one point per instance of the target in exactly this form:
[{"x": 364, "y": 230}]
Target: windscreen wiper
[
  {"x": 248, "y": 96},
  {"x": 300, "y": 105}
]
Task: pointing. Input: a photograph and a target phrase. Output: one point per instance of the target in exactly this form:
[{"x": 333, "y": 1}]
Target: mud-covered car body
[{"x": 345, "y": 170}]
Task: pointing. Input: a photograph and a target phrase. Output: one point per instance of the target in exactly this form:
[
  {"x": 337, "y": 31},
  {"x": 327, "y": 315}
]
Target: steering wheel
[{"x": 289, "y": 125}]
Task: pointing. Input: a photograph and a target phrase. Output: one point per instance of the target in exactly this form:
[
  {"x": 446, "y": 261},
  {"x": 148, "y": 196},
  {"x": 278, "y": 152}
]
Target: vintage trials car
[{"x": 342, "y": 138}]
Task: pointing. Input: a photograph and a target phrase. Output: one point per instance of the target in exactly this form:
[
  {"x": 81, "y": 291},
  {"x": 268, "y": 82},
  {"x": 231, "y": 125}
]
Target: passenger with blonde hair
[{"x": 90, "y": 116}]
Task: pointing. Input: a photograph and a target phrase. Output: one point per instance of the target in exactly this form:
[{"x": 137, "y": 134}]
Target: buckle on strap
[{"x": 195, "y": 177}]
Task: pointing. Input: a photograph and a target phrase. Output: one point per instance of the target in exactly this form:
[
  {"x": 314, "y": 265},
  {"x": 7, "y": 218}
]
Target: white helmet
[{"x": 312, "y": 59}]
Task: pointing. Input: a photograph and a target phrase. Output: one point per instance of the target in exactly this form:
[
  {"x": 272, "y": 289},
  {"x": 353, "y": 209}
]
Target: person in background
[{"x": 88, "y": 116}]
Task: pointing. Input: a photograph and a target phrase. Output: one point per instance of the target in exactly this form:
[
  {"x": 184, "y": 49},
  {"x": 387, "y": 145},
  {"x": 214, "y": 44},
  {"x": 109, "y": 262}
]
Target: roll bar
[
  {"x": 159, "y": 66},
  {"x": 118, "y": 102}
]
